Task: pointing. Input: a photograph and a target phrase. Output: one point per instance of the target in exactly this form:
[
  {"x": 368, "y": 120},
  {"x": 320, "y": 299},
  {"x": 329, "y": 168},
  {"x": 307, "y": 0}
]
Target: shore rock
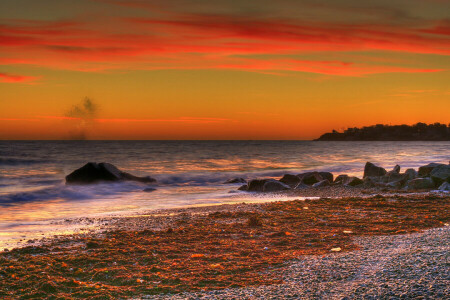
[
  {"x": 445, "y": 186},
  {"x": 322, "y": 183},
  {"x": 256, "y": 185},
  {"x": 93, "y": 173},
  {"x": 301, "y": 186},
  {"x": 275, "y": 186},
  {"x": 291, "y": 180},
  {"x": 235, "y": 180},
  {"x": 340, "y": 179},
  {"x": 372, "y": 170},
  {"x": 243, "y": 187},
  {"x": 426, "y": 170},
  {"x": 353, "y": 181},
  {"x": 420, "y": 184},
  {"x": 327, "y": 175},
  {"x": 310, "y": 177},
  {"x": 396, "y": 169},
  {"x": 441, "y": 174},
  {"x": 412, "y": 174}
]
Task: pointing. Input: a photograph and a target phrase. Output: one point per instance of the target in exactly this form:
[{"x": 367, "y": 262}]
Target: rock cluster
[{"x": 431, "y": 176}]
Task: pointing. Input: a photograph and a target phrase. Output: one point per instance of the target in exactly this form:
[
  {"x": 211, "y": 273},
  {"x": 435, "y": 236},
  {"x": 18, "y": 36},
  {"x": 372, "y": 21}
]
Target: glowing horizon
[{"x": 219, "y": 69}]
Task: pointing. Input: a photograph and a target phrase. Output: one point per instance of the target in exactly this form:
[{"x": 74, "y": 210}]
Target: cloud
[{"x": 11, "y": 78}]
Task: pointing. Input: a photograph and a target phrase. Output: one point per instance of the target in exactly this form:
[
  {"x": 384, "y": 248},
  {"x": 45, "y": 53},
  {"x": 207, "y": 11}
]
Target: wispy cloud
[{"x": 12, "y": 78}]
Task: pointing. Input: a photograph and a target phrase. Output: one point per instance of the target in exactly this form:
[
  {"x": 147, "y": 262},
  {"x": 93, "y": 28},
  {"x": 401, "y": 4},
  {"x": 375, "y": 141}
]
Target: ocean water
[{"x": 34, "y": 200}]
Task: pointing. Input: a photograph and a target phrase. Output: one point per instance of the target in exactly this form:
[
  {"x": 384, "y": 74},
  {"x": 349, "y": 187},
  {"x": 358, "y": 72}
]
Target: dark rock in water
[
  {"x": 340, "y": 179},
  {"x": 420, "y": 184},
  {"x": 353, "y": 181},
  {"x": 301, "y": 186},
  {"x": 236, "y": 180},
  {"x": 426, "y": 170},
  {"x": 396, "y": 169},
  {"x": 394, "y": 177},
  {"x": 291, "y": 180},
  {"x": 256, "y": 185},
  {"x": 243, "y": 187},
  {"x": 411, "y": 173},
  {"x": 148, "y": 190},
  {"x": 327, "y": 175},
  {"x": 93, "y": 172},
  {"x": 394, "y": 184},
  {"x": 310, "y": 177},
  {"x": 372, "y": 170},
  {"x": 275, "y": 186},
  {"x": 321, "y": 183},
  {"x": 445, "y": 186},
  {"x": 440, "y": 174}
]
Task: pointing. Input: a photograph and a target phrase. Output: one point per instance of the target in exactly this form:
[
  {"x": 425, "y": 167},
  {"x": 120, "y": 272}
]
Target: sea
[{"x": 35, "y": 202}]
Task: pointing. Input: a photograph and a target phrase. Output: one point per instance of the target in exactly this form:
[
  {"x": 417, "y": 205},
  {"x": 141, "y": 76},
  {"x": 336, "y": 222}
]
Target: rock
[
  {"x": 411, "y": 173},
  {"x": 243, "y": 187},
  {"x": 275, "y": 186},
  {"x": 353, "y": 181},
  {"x": 397, "y": 177},
  {"x": 372, "y": 170},
  {"x": 420, "y": 184},
  {"x": 321, "y": 183},
  {"x": 301, "y": 186},
  {"x": 93, "y": 173},
  {"x": 327, "y": 175},
  {"x": 310, "y": 177},
  {"x": 394, "y": 184},
  {"x": 396, "y": 169},
  {"x": 445, "y": 186},
  {"x": 426, "y": 170},
  {"x": 440, "y": 174},
  {"x": 370, "y": 182},
  {"x": 340, "y": 179},
  {"x": 148, "y": 190},
  {"x": 256, "y": 185},
  {"x": 235, "y": 180},
  {"x": 291, "y": 180}
]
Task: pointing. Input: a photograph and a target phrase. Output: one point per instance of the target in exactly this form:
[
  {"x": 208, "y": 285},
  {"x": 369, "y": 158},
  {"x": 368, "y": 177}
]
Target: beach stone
[
  {"x": 445, "y": 186},
  {"x": 397, "y": 177},
  {"x": 256, "y": 185},
  {"x": 310, "y": 177},
  {"x": 243, "y": 187},
  {"x": 420, "y": 184},
  {"x": 353, "y": 181},
  {"x": 440, "y": 174},
  {"x": 412, "y": 174},
  {"x": 93, "y": 173},
  {"x": 291, "y": 180},
  {"x": 372, "y": 170},
  {"x": 235, "y": 180},
  {"x": 322, "y": 183},
  {"x": 340, "y": 179},
  {"x": 301, "y": 186},
  {"x": 275, "y": 186},
  {"x": 327, "y": 175},
  {"x": 426, "y": 170},
  {"x": 394, "y": 184}
]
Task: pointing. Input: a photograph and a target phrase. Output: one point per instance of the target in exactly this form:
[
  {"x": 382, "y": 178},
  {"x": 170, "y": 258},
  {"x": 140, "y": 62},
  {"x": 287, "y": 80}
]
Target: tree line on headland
[{"x": 380, "y": 132}]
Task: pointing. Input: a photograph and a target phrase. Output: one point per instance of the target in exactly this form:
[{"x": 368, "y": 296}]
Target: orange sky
[{"x": 187, "y": 69}]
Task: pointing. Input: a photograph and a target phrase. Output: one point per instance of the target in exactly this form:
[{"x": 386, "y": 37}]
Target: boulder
[
  {"x": 396, "y": 169},
  {"x": 394, "y": 184},
  {"x": 445, "y": 186},
  {"x": 340, "y": 179},
  {"x": 372, "y": 170},
  {"x": 235, "y": 180},
  {"x": 310, "y": 177},
  {"x": 275, "y": 186},
  {"x": 420, "y": 184},
  {"x": 243, "y": 187},
  {"x": 411, "y": 173},
  {"x": 353, "y": 181},
  {"x": 327, "y": 175},
  {"x": 321, "y": 183},
  {"x": 256, "y": 185},
  {"x": 291, "y": 180},
  {"x": 93, "y": 173},
  {"x": 440, "y": 174},
  {"x": 426, "y": 170},
  {"x": 397, "y": 177},
  {"x": 301, "y": 186}
]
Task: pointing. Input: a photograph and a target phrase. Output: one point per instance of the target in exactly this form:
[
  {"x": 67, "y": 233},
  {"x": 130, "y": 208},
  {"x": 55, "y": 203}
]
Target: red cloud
[
  {"x": 10, "y": 78},
  {"x": 198, "y": 41}
]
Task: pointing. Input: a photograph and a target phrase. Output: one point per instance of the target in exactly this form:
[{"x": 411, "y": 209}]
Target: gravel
[{"x": 386, "y": 267}]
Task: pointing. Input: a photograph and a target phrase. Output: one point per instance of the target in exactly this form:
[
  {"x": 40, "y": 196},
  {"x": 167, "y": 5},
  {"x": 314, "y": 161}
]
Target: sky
[{"x": 224, "y": 69}]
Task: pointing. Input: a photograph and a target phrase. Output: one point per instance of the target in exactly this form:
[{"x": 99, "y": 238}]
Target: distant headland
[{"x": 380, "y": 132}]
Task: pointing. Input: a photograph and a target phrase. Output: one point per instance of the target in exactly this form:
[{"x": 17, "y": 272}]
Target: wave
[{"x": 10, "y": 161}]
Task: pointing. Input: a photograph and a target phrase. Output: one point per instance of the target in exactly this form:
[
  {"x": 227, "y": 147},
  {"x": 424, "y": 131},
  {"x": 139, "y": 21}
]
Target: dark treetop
[{"x": 380, "y": 132}]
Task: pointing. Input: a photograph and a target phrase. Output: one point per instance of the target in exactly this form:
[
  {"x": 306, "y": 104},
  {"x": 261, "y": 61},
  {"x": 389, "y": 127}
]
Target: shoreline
[{"x": 211, "y": 247}]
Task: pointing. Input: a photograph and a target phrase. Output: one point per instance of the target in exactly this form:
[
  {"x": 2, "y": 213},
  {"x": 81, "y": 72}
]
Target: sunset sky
[{"x": 225, "y": 69}]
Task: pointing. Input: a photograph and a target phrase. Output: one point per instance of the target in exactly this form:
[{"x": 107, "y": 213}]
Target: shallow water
[{"x": 33, "y": 194}]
